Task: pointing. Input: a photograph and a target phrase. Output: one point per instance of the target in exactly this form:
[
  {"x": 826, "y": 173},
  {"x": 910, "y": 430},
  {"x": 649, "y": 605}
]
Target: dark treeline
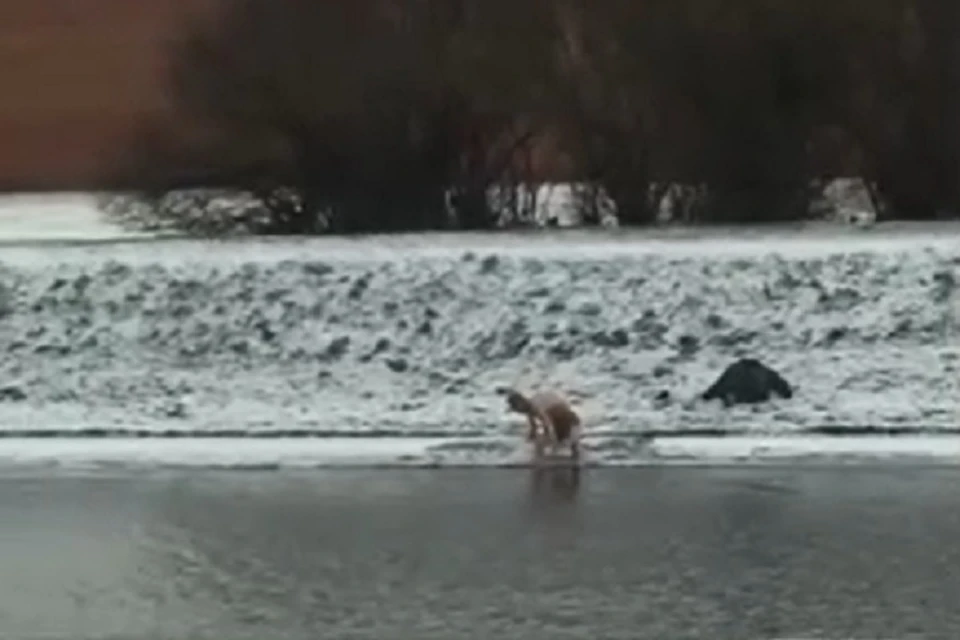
[{"x": 384, "y": 115}]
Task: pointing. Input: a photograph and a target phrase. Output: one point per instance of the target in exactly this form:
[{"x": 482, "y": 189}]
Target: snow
[
  {"x": 411, "y": 335},
  {"x": 237, "y": 454},
  {"x": 935, "y": 449},
  {"x": 43, "y": 216}
]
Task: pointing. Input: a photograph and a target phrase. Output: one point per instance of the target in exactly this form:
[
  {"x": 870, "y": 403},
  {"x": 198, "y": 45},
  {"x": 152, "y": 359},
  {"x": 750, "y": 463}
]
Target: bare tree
[
  {"x": 376, "y": 115},
  {"x": 389, "y": 115}
]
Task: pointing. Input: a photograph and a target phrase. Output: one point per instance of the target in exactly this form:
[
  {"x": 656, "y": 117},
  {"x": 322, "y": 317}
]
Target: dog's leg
[
  {"x": 539, "y": 447},
  {"x": 532, "y": 430},
  {"x": 575, "y": 434}
]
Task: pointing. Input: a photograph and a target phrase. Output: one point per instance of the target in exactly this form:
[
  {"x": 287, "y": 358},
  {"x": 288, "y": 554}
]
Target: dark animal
[{"x": 748, "y": 381}]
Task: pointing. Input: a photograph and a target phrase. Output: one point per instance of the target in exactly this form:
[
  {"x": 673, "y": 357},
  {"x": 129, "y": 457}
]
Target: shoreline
[{"x": 440, "y": 453}]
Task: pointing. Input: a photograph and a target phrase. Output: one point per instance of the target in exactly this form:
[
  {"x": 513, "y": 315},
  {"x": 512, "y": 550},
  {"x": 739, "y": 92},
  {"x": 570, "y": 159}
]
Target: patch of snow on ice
[{"x": 332, "y": 453}]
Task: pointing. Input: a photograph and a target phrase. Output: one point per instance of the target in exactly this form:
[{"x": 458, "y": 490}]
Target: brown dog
[{"x": 551, "y": 420}]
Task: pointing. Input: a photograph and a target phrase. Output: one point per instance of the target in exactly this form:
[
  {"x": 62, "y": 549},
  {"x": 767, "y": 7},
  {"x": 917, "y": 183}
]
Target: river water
[{"x": 722, "y": 553}]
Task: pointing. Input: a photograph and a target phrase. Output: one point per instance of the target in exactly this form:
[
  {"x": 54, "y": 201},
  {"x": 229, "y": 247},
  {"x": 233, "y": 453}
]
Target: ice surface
[{"x": 73, "y": 454}]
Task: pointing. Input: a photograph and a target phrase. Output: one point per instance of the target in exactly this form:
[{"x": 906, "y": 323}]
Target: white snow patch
[
  {"x": 55, "y": 216},
  {"x": 211, "y": 452},
  {"x": 732, "y": 449},
  {"x": 332, "y": 453}
]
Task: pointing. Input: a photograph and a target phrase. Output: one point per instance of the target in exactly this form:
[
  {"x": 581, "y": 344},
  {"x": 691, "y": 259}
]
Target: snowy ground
[
  {"x": 42, "y": 216},
  {"x": 410, "y": 336}
]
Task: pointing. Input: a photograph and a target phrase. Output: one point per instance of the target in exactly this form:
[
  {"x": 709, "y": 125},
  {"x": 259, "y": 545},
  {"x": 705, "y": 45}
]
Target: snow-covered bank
[
  {"x": 416, "y": 333},
  {"x": 334, "y": 453},
  {"x": 55, "y": 216}
]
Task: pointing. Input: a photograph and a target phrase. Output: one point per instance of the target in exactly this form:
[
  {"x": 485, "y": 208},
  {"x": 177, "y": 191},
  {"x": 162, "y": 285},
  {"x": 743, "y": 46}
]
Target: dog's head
[{"x": 516, "y": 401}]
